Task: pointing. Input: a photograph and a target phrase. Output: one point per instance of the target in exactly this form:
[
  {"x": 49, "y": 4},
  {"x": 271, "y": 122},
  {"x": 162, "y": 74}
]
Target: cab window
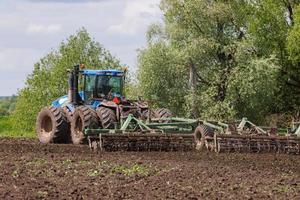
[
  {"x": 89, "y": 86},
  {"x": 109, "y": 84}
]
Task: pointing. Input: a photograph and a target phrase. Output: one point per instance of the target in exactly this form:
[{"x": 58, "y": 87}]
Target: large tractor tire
[
  {"x": 200, "y": 134},
  {"x": 107, "y": 117},
  {"x": 83, "y": 118},
  {"x": 52, "y": 126},
  {"x": 162, "y": 113}
]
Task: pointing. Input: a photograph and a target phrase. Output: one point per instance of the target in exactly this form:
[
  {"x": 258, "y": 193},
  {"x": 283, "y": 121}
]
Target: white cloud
[
  {"x": 136, "y": 17},
  {"x": 44, "y": 29},
  {"x": 29, "y": 30}
]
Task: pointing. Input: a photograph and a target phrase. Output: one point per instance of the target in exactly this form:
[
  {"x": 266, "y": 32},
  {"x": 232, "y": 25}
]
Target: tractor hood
[{"x": 64, "y": 100}]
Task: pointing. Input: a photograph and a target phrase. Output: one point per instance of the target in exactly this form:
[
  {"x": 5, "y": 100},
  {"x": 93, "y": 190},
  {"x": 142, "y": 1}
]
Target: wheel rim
[
  {"x": 46, "y": 125},
  {"x": 198, "y": 139},
  {"x": 78, "y": 127}
]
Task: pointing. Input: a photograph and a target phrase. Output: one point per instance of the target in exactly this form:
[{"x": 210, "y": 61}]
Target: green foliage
[
  {"x": 162, "y": 86},
  {"x": 7, "y": 105},
  {"x": 135, "y": 169},
  {"x": 253, "y": 88},
  {"x": 7, "y": 128},
  {"x": 49, "y": 79},
  {"x": 241, "y": 53},
  {"x": 93, "y": 173},
  {"x": 274, "y": 28},
  {"x": 268, "y": 26},
  {"x": 3, "y": 112},
  {"x": 293, "y": 40},
  {"x": 5, "y": 124}
]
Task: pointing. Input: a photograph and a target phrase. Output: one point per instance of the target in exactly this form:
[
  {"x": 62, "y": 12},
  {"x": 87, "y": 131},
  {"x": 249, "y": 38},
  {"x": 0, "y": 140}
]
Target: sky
[{"x": 29, "y": 29}]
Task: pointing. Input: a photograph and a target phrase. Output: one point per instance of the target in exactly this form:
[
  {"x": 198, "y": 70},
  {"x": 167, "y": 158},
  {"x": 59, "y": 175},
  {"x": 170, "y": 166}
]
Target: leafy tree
[
  {"x": 3, "y": 112},
  {"x": 163, "y": 80},
  {"x": 274, "y": 28},
  {"x": 7, "y": 105},
  {"x": 215, "y": 59},
  {"x": 48, "y": 80}
]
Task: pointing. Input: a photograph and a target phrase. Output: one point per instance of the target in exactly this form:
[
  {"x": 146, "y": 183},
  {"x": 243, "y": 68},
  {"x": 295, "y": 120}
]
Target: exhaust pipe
[{"x": 73, "y": 94}]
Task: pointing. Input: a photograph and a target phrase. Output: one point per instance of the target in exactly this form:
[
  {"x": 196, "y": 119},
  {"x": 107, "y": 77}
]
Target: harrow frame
[{"x": 134, "y": 134}]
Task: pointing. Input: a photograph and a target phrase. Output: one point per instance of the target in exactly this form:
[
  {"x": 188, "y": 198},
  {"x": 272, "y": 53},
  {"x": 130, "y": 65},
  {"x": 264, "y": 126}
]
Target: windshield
[{"x": 109, "y": 84}]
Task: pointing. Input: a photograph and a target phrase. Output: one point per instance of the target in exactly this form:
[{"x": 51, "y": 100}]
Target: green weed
[
  {"x": 7, "y": 129},
  {"x": 93, "y": 173},
  {"x": 84, "y": 162},
  {"x": 37, "y": 162},
  {"x": 129, "y": 171},
  {"x": 15, "y": 173},
  {"x": 284, "y": 189},
  {"x": 67, "y": 163}
]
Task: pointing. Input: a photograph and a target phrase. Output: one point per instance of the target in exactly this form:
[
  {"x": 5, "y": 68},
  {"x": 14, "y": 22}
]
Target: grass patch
[
  {"x": 37, "y": 162},
  {"x": 85, "y": 162},
  {"x": 93, "y": 173},
  {"x": 7, "y": 129},
  {"x": 131, "y": 170},
  {"x": 15, "y": 174}
]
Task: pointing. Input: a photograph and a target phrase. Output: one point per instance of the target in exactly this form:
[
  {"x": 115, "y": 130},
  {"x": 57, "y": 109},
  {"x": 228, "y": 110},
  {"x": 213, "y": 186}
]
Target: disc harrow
[
  {"x": 257, "y": 144},
  {"x": 174, "y": 135},
  {"x": 246, "y": 137},
  {"x": 138, "y": 142}
]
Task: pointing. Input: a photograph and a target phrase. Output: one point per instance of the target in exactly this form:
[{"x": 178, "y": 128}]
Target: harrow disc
[
  {"x": 257, "y": 144},
  {"x": 142, "y": 142}
]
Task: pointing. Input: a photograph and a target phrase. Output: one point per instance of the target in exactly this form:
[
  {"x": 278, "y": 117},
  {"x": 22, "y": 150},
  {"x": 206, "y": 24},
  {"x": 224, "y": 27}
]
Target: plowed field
[{"x": 29, "y": 170}]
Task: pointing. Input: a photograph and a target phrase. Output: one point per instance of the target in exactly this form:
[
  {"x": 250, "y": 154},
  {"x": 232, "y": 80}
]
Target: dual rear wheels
[{"x": 59, "y": 125}]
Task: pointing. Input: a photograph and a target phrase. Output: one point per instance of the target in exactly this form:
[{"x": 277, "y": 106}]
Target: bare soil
[{"x": 29, "y": 170}]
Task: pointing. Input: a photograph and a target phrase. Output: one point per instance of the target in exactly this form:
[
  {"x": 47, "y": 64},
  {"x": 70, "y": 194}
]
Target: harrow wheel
[
  {"x": 51, "y": 125},
  {"x": 83, "y": 118},
  {"x": 257, "y": 144},
  {"x": 162, "y": 113},
  {"x": 147, "y": 113},
  {"x": 201, "y": 133}
]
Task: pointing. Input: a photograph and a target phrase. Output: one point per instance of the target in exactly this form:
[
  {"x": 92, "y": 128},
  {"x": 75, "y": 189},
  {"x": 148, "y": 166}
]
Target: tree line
[
  {"x": 7, "y": 105},
  {"x": 224, "y": 59}
]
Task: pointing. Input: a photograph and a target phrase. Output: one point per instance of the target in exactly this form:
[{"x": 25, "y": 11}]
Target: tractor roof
[{"x": 108, "y": 72}]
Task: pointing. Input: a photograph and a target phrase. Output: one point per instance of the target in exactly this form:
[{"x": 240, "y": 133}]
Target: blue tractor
[{"x": 99, "y": 103}]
